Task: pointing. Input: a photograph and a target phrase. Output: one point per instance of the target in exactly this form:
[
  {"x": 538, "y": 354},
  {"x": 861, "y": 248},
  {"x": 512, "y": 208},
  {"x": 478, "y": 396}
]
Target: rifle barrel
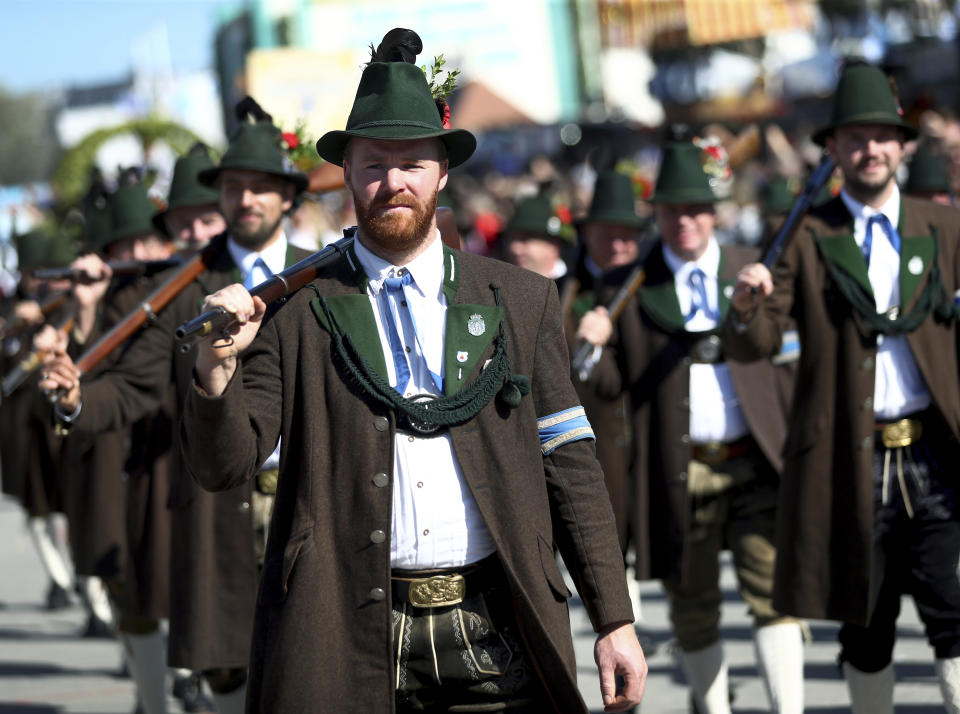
[{"x": 118, "y": 267}]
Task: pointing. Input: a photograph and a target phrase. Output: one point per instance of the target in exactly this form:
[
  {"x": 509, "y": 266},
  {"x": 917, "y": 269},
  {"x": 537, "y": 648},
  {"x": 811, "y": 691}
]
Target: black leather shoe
[
  {"x": 189, "y": 690},
  {"x": 57, "y": 597},
  {"x": 97, "y": 629}
]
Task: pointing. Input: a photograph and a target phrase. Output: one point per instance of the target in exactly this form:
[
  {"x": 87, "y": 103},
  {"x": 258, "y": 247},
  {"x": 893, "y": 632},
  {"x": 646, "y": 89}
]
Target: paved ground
[{"x": 46, "y": 668}]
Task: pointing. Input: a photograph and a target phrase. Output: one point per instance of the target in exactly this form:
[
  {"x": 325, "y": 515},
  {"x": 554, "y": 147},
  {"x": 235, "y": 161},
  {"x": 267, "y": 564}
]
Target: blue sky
[{"x": 50, "y": 43}]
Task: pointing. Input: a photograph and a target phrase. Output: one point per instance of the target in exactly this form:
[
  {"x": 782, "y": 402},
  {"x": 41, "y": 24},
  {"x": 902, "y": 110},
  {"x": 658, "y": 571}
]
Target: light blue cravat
[
  {"x": 254, "y": 278},
  {"x": 396, "y": 298},
  {"x": 881, "y": 220},
  {"x": 698, "y": 294}
]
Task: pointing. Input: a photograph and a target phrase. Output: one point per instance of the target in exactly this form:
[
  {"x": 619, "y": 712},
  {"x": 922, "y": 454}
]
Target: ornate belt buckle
[
  {"x": 267, "y": 481},
  {"x": 901, "y": 433},
  {"x": 437, "y": 591},
  {"x": 419, "y": 426},
  {"x": 707, "y": 349},
  {"x": 713, "y": 452}
]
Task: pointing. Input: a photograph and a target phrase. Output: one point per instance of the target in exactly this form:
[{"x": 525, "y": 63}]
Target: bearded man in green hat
[
  {"x": 434, "y": 453},
  {"x": 708, "y": 438},
  {"x": 216, "y": 538},
  {"x": 869, "y": 506}
]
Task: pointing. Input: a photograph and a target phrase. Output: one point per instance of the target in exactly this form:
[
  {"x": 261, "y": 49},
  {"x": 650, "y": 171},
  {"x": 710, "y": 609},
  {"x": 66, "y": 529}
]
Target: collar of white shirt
[
  {"x": 426, "y": 268},
  {"x": 709, "y": 262},
  {"x": 861, "y": 212},
  {"x": 274, "y": 255}
]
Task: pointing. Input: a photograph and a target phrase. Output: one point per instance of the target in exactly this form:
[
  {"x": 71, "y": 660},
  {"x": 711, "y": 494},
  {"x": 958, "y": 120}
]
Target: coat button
[
  {"x": 682, "y": 476},
  {"x": 685, "y": 439},
  {"x": 381, "y": 423},
  {"x": 244, "y": 507},
  {"x": 867, "y": 443},
  {"x": 377, "y": 594},
  {"x": 378, "y": 536},
  {"x": 867, "y": 363},
  {"x": 686, "y": 361},
  {"x": 380, "y": 479},
  {"x": 685, "y": 402},
  {"x": 867, "y": 404}
]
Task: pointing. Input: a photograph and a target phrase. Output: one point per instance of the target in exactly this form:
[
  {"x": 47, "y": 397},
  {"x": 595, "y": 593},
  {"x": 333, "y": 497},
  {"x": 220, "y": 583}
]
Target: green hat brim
[
  {"x": 910, "y": 132},
  {"x": 208, "y": 177},
  {"x": 614, "y": 218},
  {"x": 460, "y": 143},
  {"x": 684, "y": 195}
]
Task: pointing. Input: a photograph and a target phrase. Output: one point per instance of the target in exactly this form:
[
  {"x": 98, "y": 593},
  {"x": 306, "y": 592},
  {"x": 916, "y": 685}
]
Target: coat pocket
[
  {"x": 278, "y": 569},
  {"x": 548, "y": 560}
]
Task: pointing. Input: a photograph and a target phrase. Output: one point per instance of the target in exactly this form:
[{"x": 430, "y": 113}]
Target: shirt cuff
[{"x": 68, "y": 418}]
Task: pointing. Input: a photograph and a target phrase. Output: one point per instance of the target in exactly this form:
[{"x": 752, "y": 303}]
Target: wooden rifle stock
[
  {"x": 15, "y": 378},
  {"x": 148, "y": 309},
  {"x": 615, "y": 309},
  {"x": 118, "y": 267},
  {"x": 292, "y": 279},
  {"x": 273, "y": 288}
]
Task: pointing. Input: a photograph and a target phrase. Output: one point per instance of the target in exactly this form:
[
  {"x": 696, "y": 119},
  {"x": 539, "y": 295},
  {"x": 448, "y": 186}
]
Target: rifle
[
  {"x": 148, "y": 309},
  {"x": 282, "y": 284},
  {"x": 615, "y": 309},
  {"x": 50, "y": 303},
  {"x": 816, "y": 181},
  {"x": 134, "y": 268},
  {"x": 29, "y": 364}
]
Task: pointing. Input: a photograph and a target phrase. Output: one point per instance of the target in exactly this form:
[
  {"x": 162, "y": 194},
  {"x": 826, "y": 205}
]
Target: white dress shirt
[
  {"x": 436, "y": 522},
  {"x": 898, "y": 389},
  {"x": 715, "y": 413},
  {"x": 275, "y": 256}
]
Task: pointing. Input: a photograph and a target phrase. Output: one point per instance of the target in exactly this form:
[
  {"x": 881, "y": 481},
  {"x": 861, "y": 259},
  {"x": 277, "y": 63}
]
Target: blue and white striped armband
[
  {"x": 789, "y": 348},
  {"x": 562, "y": 428}
]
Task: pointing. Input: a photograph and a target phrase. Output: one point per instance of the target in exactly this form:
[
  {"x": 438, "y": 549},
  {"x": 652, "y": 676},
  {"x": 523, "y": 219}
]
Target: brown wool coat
[
  {"x": 646, "y": 360},
  {"x": 321, "y": 634},
  {"x": 213, "y": 576},
  {"x": 825, "y": 527}
]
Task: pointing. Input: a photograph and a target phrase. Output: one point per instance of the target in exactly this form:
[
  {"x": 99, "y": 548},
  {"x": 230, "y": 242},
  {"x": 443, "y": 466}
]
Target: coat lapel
[
  {"x": 469, "y": 330},
  {"x": 658, "y": 295},
  {"x": 842, "y": 250}
]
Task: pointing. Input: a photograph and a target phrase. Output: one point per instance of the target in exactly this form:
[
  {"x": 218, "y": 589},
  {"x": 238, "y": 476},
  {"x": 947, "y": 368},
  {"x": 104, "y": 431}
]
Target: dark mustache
[{"x": 397, "y": 201}]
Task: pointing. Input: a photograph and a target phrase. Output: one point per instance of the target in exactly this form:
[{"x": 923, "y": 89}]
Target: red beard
[{"x": 397, "y": 232}]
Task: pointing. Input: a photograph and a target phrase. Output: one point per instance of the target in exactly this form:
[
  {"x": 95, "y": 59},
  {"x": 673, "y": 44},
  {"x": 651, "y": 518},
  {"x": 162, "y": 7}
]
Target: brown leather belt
[
  {"x": 718, "y": 452},
  {"x": 267, "y": 481},
  {"x": 446, "y": 586},
  {"x": 899, "y": 433}
]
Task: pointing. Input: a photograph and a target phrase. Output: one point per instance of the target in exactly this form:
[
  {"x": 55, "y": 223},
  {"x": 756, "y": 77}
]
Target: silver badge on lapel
[
  {"x": 461, "y": 356},
  {"x": 915, "y": 266},
  {"x": 728, "y": 291},
  {"x": 475, "y": 325}
]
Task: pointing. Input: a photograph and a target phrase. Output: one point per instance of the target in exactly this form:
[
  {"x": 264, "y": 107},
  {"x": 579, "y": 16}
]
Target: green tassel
[{"x": 516, "y": 388}]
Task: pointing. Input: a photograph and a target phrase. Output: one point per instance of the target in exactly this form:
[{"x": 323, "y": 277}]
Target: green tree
[{"x": 28, "y": 144}]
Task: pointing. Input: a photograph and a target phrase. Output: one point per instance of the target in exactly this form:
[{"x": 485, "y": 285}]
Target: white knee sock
[
  {"x": 870, "y": 692},
  {"x": 95, "y": 594},
  {"x": 948, "y": 672},
  {"x": 707, "y": 675},
  {"x": 780, "y": 660},
  {"x": 50, "y": 556},
  {"x": 231, "y": 702},
  {"x": 148, "y": 665}
]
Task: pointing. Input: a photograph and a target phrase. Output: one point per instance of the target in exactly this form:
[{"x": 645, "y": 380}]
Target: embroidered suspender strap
[
  {"x": 933, "y": 299},
  {"x": 443, "y": 411}
]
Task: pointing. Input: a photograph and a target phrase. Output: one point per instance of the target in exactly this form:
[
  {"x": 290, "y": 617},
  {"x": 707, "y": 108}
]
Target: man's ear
[
  {"x": 289, "y": 193},
  {"x": 444, "y": 164}
]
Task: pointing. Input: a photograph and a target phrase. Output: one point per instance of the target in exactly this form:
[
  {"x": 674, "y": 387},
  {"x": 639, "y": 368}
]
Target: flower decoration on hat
[
  {"x": 299, "y": 147},
  {"x": 440, "y": 90},
  {"x": 716, "y": 165}
]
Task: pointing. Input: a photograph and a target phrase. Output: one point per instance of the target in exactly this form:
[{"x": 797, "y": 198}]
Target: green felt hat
[
  {"x": 31, "y": 249},
  {"x": 779, "y": 195},
  {"x": 682, "y": 178},
  {"x": 61, "y": 249},
  {"x": 928, "y": 172},
  {"x": 614, "y": 201},
  {"x": 535, "y": 215},
  {"x": 97, "y": 226},
  {"x": 394, "y": 102},
  {"x": 256, "y": 147},
  {"x": 186, "y": 191},
  {"x": 864, "y": 96},
  {"x": 131, "y": 214}
]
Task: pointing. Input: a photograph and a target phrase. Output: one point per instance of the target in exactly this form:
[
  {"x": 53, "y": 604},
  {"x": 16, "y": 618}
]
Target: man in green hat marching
[
  {"x": 708, "y": 439},
  {"x": 192, "y": 217},
  {"x": 929, "y": 176},
  {"x": 215, "y": 537},
  {"x": 869, "y": 505},
  {"x": 435, "y": 455},
  {"x": 533, "y": 238}
]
